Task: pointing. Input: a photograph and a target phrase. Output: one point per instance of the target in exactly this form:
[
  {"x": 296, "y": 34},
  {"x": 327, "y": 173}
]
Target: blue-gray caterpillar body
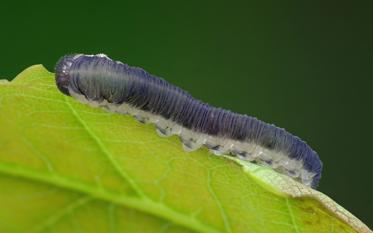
[{"x": 101, "y": 81}]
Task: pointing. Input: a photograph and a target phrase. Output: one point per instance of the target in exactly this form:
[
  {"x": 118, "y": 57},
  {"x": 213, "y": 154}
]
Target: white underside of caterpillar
[{"x": 193, "y": 140}]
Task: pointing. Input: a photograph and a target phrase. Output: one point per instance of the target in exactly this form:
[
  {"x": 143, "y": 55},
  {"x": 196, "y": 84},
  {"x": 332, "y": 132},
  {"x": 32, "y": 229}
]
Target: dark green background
[{"x": 306, "y": 67}]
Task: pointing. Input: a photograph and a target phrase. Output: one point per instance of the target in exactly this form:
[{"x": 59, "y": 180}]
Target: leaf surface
[{"x": 67, "y": 167}]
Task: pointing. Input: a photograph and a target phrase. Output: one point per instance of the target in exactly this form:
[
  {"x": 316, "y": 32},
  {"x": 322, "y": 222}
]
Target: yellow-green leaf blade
[{"x": 67, "y": 167}]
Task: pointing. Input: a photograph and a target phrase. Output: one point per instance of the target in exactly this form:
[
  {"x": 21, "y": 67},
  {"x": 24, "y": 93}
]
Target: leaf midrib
[{"x": 143, "y": 205}]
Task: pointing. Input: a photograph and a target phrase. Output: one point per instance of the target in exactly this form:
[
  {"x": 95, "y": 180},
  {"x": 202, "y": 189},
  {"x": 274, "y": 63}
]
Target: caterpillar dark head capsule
[
  {"x": 62, "y": 73},
  {"x": 101, "y": 81}
]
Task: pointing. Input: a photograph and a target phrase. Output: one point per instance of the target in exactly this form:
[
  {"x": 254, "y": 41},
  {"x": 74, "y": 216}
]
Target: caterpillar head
[{"x": 62, "y": 72}]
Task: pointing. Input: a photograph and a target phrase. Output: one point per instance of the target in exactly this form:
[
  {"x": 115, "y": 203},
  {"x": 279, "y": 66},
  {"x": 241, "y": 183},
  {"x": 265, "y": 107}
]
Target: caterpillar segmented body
[{"x": 101, "y": 81}]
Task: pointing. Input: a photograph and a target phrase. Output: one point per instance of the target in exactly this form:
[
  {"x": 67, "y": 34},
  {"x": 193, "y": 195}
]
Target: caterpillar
[{"x": 118, "y": 87}]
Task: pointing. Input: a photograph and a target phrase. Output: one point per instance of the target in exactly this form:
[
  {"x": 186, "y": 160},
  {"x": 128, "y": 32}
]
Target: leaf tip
[
  {"x": 4, "y": 81},
  {"x": 31, "y": 71}
]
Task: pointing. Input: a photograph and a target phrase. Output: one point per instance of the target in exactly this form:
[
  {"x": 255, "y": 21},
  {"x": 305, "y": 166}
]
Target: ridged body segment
[{"x": 100, "y": 79}]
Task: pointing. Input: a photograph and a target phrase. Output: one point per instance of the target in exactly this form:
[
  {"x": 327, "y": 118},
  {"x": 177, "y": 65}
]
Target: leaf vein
[
  {"x": 218, "y": 203},
  {"x": 53, "y": 219},
  {"x": 292, "y": 217},
  {"x": 104, "y": 150},
  {"x": 143, "y": 205}
]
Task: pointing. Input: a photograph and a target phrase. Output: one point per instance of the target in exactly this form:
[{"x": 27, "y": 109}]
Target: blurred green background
[{"x": 305, "y": 66}]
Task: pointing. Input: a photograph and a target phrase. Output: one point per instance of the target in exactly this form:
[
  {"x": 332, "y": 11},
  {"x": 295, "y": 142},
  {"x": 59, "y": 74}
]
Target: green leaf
[{"x": 67, "y": 167}]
